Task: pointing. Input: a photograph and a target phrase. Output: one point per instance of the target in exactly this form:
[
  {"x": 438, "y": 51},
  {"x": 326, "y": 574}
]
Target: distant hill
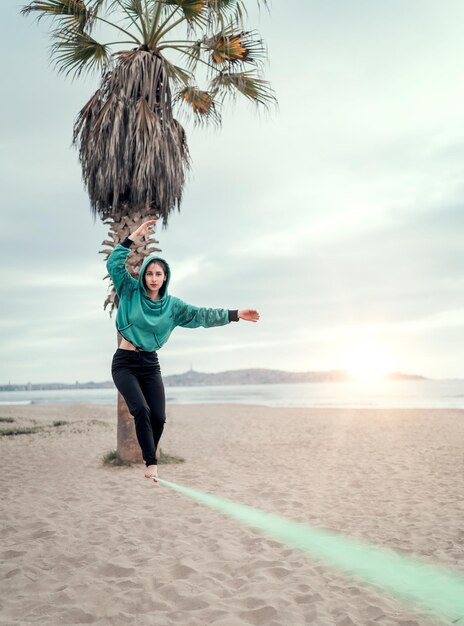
[
  {"x": 252, "y": 377},
  {"x": 230, "y": 377},
  {"x": 400, "y": 376},
  {"x": 267, "y": 376}
]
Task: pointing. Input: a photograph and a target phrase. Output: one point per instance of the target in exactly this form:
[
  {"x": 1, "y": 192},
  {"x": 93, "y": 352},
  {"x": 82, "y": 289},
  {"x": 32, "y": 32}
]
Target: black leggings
[{"x": 137, "y": 376}]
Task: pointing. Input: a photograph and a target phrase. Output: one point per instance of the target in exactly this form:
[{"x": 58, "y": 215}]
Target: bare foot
[{"x": 152, "y": 472}]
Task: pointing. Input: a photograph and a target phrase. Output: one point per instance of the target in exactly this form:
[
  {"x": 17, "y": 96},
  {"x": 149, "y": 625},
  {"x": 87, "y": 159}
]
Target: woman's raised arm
[{"x": 116, "y": 264}]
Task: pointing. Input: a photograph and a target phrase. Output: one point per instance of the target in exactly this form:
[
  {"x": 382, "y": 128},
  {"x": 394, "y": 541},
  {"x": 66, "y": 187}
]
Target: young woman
[{"x": 146, "y": 317}]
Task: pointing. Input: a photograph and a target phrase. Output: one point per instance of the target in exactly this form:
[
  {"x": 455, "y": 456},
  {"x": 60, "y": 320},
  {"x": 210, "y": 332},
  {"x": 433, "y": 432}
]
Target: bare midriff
[{"x": 126, "y": 345}]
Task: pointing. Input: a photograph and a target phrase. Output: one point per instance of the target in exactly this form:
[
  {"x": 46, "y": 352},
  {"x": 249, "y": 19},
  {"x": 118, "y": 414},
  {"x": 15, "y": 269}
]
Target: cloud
[{"x": 342, "y": 209}]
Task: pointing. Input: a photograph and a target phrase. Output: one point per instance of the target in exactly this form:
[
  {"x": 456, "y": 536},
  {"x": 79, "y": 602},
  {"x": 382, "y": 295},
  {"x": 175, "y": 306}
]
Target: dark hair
[{"x": 160, "y": 262}]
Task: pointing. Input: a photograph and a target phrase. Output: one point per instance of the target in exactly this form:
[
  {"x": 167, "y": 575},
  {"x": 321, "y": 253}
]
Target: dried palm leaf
[
  {"x": 131, "y": 148},
  {"x": 235, "y": 47},
  {"x": 201, "y": 104}
]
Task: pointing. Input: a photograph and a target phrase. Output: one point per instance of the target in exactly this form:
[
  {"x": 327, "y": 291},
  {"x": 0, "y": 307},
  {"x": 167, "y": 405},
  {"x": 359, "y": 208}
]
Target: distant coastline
[{"x": 193, "y": 378}]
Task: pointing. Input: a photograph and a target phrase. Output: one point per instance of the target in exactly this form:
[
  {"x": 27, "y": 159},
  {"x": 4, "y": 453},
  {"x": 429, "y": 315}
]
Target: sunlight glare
[{"x": 368, "y": 359}]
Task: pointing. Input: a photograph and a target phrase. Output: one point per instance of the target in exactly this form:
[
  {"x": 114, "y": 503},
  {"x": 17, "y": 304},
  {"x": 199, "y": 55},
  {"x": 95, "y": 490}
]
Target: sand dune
[{"x": 84, "y": 543}]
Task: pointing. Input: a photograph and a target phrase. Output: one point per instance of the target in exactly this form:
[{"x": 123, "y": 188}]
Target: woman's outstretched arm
[{"x": 189, "y": 316}]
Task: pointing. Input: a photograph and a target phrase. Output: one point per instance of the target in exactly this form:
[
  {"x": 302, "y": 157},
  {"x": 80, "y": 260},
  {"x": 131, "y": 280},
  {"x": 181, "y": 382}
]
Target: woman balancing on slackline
[{"x": 146, "y": 317}]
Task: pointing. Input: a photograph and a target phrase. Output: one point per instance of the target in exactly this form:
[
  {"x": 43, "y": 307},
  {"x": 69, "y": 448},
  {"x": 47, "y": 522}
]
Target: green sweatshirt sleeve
[
  {"x": 189, "y": 316},
  {"x": 123, "y": 282}
]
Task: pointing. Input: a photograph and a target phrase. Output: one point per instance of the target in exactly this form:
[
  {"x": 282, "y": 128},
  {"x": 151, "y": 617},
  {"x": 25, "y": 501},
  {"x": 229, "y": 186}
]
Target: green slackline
[{"x": 423, "y": 584}]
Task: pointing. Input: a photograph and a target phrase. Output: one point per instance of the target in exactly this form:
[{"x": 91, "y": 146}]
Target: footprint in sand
[
  {"x": 111, "y": 570},
  {"x": 180, "y": 571},
  {"x": 260, "y": 616},
  {"x": 11, "y": 554}
]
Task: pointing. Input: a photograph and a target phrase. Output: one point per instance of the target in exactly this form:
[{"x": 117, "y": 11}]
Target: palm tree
[{"x": 132, "y": 150}]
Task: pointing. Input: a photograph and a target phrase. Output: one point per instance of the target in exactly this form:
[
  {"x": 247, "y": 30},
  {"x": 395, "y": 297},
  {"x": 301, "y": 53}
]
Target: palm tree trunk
[{"x": 120, "y": 226}]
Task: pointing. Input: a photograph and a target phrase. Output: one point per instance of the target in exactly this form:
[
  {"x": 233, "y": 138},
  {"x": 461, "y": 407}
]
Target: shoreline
[{"x": 392, "y": 395}]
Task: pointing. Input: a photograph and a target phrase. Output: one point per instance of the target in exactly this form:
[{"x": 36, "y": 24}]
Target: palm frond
[
  {"x": 192, "y": 53},
  {"x": 105, "y": 5},
  {"x": 247, "y": 83},
  {"x": 135, "y": 12},
  {"x": 71, "y": 12},
  {"x": 75, "y": 52},
  {"x": 178, "y": 75},
  {"x": 194, "y": 11},
  {"x": 200, "y": 104},
  {"x": 223, "y": 13},
  {"x": 133, "y": 6},
  {"x": 226, "y": 12},
  {"x": 235, "y": 47}
]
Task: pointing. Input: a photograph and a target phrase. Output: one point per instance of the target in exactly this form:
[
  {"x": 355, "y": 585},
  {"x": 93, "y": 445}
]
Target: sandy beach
[{"x": 87, "y": 543}]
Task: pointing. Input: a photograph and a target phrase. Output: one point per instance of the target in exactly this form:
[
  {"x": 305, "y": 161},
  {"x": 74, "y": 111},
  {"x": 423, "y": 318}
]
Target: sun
[{"x": 368, "y": 358}]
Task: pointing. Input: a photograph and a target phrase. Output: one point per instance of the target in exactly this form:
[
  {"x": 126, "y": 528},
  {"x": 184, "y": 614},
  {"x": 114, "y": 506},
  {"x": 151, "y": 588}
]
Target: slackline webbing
[{"x": 418, "y": 582}]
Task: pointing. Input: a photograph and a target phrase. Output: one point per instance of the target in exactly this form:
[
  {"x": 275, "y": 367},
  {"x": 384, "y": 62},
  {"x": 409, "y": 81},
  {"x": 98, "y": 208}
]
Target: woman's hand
[
  {"x": 144, "y": 229},
  {"x": 250, "y": 315}
]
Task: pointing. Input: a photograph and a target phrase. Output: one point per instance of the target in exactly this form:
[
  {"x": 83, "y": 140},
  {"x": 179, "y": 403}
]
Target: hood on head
[{"x": 146, "y": 262}]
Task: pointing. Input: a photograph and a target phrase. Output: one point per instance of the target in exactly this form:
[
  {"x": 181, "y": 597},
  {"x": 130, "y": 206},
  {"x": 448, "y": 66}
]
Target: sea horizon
[{"x": 427, "y": 393}]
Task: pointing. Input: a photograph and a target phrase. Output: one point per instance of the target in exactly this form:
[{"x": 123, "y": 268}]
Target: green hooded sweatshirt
[{"x": 148, "y": 323}]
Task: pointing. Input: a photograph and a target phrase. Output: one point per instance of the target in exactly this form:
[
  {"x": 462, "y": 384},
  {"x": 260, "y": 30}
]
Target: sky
[{"x": 338, "y": 214}]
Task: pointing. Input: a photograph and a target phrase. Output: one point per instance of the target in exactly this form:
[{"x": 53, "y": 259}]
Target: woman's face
[{"x": 154, "y": 276}]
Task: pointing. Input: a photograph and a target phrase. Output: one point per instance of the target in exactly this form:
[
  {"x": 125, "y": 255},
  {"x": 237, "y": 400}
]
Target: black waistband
[{"x": 138, "y": 350}]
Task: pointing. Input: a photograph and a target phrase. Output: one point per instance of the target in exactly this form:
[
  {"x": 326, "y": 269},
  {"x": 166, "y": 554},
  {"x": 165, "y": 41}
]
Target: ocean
[{"x": 383, "y": 394}]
